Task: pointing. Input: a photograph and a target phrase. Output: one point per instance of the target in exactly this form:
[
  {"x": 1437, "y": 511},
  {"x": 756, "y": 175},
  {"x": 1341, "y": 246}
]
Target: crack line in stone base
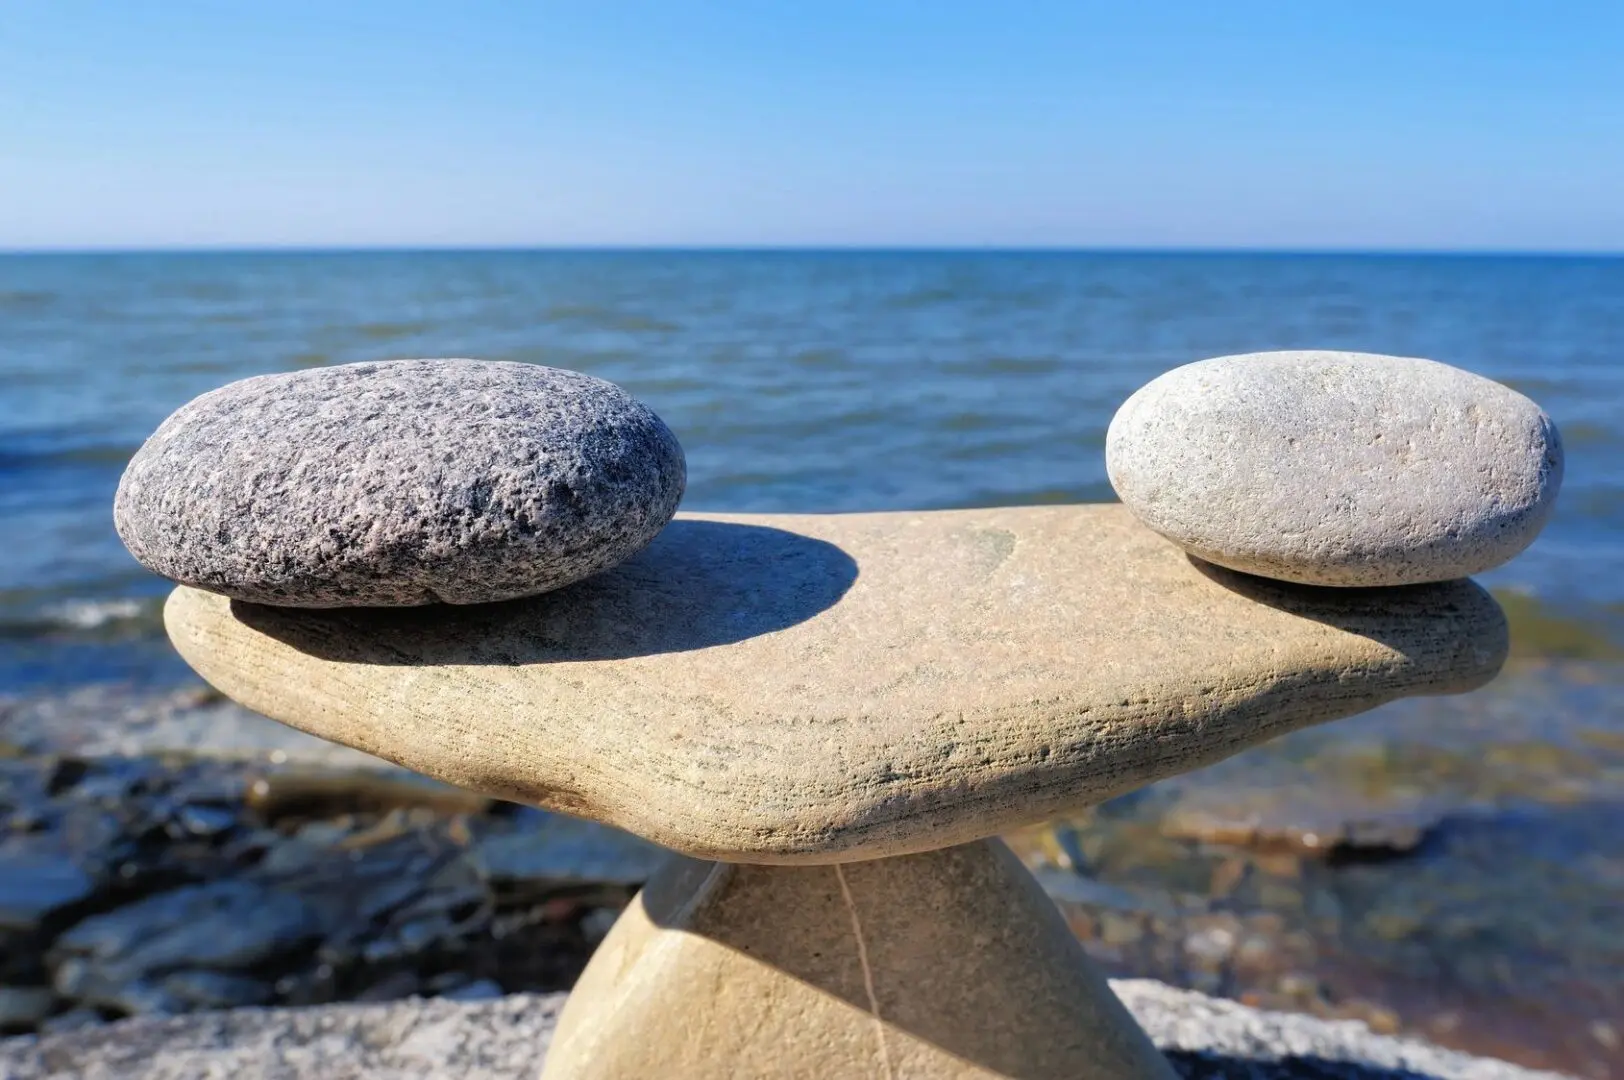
[{"x": 868, "y": 972}]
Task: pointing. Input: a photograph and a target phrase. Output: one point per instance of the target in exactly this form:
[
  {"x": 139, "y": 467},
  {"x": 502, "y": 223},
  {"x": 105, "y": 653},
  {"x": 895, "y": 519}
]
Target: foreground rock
[
  {"x": 138, "y": 887},
  {"x": 1331, "y": 468},
  {"x": 814, "y": 688},
  {"x": 506, "y": 1039},
  {"x": 400, "y": 483}
]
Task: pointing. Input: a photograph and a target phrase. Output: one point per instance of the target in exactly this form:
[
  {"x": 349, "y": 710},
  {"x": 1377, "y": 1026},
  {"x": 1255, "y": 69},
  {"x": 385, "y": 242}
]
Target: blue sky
[{"x": 1422, "y": 124}]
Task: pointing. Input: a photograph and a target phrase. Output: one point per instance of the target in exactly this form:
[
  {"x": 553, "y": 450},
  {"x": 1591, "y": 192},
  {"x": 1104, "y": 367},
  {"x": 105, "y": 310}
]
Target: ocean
[
  {"x": 1483, "y": 868},
  {"x": 797, "y": 381}
]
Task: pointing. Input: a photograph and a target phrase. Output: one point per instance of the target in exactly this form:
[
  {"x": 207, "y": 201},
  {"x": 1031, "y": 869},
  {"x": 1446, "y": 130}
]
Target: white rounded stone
[{"x": 1335, "y": 468}]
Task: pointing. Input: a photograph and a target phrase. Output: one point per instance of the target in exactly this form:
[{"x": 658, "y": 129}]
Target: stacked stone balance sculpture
[{"x": 829, "y": 717}]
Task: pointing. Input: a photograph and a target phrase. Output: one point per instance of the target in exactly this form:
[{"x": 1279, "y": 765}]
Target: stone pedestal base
[{"x": 949, "y": 964}]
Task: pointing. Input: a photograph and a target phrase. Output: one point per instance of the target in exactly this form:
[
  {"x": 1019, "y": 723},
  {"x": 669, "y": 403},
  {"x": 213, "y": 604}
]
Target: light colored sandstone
[
  {"x": 950, "y": 965},
  {"x": 823, "y": 688},
  {"x": 1336, "y": 468}
]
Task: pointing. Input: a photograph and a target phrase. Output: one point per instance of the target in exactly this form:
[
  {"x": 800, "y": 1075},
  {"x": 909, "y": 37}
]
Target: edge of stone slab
[{"x": 507, "y": 1038}]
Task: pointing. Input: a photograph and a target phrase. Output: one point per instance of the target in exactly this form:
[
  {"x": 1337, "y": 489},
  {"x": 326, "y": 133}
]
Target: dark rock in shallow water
[
  {"x": 202, "y": 821},
  {"x": 32, "y": 886},
  {"x": 223, "y": 924},
  {"x": 22, "y": 1007},
  {"x": 557, "y": 851},
  {"x": 216, "y": 989},
  {"x": 400, "y": 483},
  {"x": 72, "y": 1020}
]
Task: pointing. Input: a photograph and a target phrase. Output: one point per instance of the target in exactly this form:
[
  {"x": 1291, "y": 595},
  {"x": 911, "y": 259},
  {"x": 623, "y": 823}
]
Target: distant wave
[
  {"x": 91, "y": 619},
  {"x": 97, "y": 455}
]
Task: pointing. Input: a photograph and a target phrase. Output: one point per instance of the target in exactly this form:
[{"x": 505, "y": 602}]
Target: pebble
[
  {"x": 400, "y": 483},
  {"x": 1331, "y": 468}
]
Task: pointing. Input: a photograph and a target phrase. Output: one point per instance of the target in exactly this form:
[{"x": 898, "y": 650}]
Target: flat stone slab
[
  {"x": 1334, "y": 468},
  {"x": 399, "y": 483},
  {"x": 507, "y": 1039},
  {"x": 824, "y": 688}
]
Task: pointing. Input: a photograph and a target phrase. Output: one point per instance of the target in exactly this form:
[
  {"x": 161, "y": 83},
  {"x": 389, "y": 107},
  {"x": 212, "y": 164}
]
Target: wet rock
[
  {"x": 400, "y": 483},
  {"x": 23, "y": 1007},
  {"x": 114, "y": 783},
  {"x": 316, "y": 986},
  {"x": 72, "y": 1020},
  {"x": 1092, "y": 893},
  {"x": 453, "y": 887},
  {"x": 222, "y": 924},
  {"x": 76, "y": 978},
  {"x": 392, "y": 987},
  {"x": 552, "y": 852},
  {"x": 204, "y": 821},
  {"x": 390, "y": 894},
  {"x": 142, "y": 998},
  {"x": 216, "y": 989},
  {"x": 32, "y": 886},
  {"x": 408, "y": 939},
  {"x": 476, "y": 991},
  {"x": 1321, "y": 821}
]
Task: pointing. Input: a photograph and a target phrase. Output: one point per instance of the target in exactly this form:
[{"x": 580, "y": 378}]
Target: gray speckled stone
[
  {"x": 400, "y": 483},
  {"x": 1330, "y": 468}
]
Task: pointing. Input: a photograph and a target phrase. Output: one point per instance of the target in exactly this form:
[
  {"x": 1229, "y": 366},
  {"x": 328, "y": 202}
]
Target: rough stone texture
[
  {"x": 400, "y": 483},
  {"x": 1332, "y": 468},
  {"x": 824, "y": 688},
  {"x": 507, "y": 1039},
  {"x": 950, "y": 965}
]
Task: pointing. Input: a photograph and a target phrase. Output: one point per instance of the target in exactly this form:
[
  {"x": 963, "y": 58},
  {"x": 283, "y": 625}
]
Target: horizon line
[{"x": 802, "y": 249}]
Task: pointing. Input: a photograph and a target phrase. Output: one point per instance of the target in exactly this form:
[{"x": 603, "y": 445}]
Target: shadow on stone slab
[
  {"x": 698, "y": 585},
  {"x": 1386, "y": 614}
]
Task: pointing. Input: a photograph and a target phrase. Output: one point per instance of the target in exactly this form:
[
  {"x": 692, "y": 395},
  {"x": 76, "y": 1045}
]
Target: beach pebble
[
  {"x": 400, "y": 483},
  {"x": 1332, "y": 468}
]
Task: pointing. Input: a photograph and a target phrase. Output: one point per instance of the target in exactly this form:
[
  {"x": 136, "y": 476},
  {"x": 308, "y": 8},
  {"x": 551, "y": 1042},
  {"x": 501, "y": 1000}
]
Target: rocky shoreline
[
  {"x": 136, "y": 829},
  {"x": 159, "y": 886}
]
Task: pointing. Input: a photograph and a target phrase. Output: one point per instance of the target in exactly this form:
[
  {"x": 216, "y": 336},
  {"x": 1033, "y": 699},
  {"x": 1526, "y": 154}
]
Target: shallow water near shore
[{"x": 1449, "y": 866}]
